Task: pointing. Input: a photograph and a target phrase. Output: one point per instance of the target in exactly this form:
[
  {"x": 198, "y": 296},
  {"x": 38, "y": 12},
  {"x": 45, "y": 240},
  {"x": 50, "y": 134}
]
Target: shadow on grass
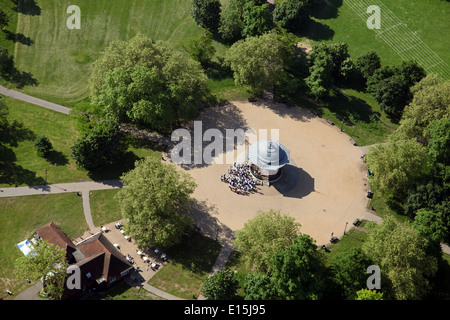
[
  {"x": 27, "y": 7},
  {"x": 115, "y": 170},
  {"x": 18, "y": 37},
  {"x": 57, "y": 158}
]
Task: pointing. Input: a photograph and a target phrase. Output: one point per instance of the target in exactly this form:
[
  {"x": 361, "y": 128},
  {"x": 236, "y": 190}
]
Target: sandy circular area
[{"x": 323, "y": 188}]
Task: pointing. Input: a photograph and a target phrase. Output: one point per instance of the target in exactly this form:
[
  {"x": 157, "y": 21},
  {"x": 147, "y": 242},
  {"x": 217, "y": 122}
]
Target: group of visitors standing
[{"x": 240, "y": 179}]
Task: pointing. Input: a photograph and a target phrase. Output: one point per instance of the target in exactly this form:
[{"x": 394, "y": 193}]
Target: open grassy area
[
  {"x": 190, "y": 263},
  {"x": 20, "y": 216},
  {"x": 21, "y": 165},
  {"x": 60, "y": 59},
  {"x": 335, "y": 21},
  {"x": 104, "y": 208}
]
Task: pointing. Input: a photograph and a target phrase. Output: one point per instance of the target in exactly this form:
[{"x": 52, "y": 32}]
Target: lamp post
[
  {"x": 45, "y": 176},
  {"x": 345, "y": 227}
]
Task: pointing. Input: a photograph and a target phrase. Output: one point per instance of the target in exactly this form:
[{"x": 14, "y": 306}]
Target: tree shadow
[
  {"x": 57, "y": 158},
  {"x": 27, "y": 7},
  {"x": 325, "y": 9},
  {"x": 14, "y": 133},
  {"x": 316, "y": 31},
  {"x": 222, "y": 117},
  {"x": 11, "y": 74},
  {"x": 285, "y": 110},
  {"x": 18, "y": 37},
  {"x": 115, "y": 170},
  {"x": 205, "y": 219},
  {"x": 13, "y": 174}
]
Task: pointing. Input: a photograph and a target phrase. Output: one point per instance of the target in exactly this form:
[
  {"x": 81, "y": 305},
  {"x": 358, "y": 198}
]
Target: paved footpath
[{"x": 39, "y": 102}]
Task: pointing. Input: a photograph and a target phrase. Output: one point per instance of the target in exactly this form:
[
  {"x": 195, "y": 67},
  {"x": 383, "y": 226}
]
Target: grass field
[
  {"x": 190, "y": 263},
  {"x": 60, "y": 59},
  {"x": 21, "y": 215},
  {"x": 104, "y": 208},
  {"x": 335, "y": 21},
  {"x": 20, "y": 164}
]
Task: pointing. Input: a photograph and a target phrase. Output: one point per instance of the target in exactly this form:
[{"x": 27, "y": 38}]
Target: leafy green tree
[
  {"x": 320, "y": 79},
  {"x": 4, "y": 19},
  {"x": 100, "y": 146},
  {"x": 47, "y": 263},
  {"x": 86, "y": 115},
  {"x": 231, "y": 25},
  {"x": 222, "y": 285},
  {"x": 206, "y": 13},
  {"x": 432, "y": 225},
  {"x": 258, "y": 63},
  {"x": 155, "y": 203},
  {"x": 397, "y": 166},
  {"x": 348, "y": 270},
  {"x": 427, "y": 195},
  {"x": 400, "y": 252},
  {"x": 148, "y": 83},
  {"x": 438, "y": 134},
  {"x": 258, "y": 286},
  {"x": 298, "y": 273},
  {"x": 368, "y": 63},
  {"x": 200, "y": 48},
  {"x": 390, "y": 86},
  {"x": 431, "y": 101},
  {"x": 256, "y": 19},
  {"x": 43, "y": 145},
  {"x": 264, "y": 235},
  {"x": 292, "y": 14},
  {"x": 366, "y": 294}
]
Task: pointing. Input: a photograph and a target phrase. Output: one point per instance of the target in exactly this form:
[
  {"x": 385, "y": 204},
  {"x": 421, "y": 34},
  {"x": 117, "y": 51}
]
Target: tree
[
  {"x": 349, "y": 270},
  {"x": 231, "y": 25},
  {"x": 366, "y": 294},
  {"x": 149, "y": 83},
  {"x": 298, "y": 273},
  {"x": 48, "y": 263},
  {"x": 431, "y": 101},
  {"x": 368, "y": 63},
  {"x": 4, "y": 19},
  {"x": 320, "y": 79},
  {"x": 438, "y": 134},
  {"x": 264, "y": 235},
  {"x": 397, "y": 166},
  {"x": 428, "y": 195},
  {"x": 257, "y": 19},
  {"x": 258, "y": 286},
  {"x": 200, "y": 48},
  {"x": 432, "y": 225},
  {"x": 292, "y": 14},
  {"x": 100, "y": 146},
  {"x": 400, "y": 252},
  {"x": 155, "y": 203},
  {"x": 43, "y": 145},
  {"x": 206, "y": 13},
  {"x": 258, "y": 63},
  {"x": 390, "y": 86},
  {"x": 222, "y": 285}
]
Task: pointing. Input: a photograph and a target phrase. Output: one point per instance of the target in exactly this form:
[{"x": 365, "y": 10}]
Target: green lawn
[
  {"x": 190, "y": 263},
  {"x": 21, "y": 165},
  {"x": 20, "y": 216},
  {"x": 104, "y": 208},
  {"x": 60, "y": 59},
  {"x": 339, "y": 23}
]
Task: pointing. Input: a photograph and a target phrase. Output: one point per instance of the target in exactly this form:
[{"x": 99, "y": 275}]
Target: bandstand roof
[{"x": 268, "y": 154}]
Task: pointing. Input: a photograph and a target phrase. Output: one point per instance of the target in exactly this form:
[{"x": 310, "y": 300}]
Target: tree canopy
[
  {"x": 258, "y": 63},
  {"x": 148, "y": 82},
  {"x": 155, "y": 203},
  {"x": 292, "y": 14},
  {"x": 264, "y": 235},
  {"x": 400, "y": 252},
  {"x": 206, "y": 13}
]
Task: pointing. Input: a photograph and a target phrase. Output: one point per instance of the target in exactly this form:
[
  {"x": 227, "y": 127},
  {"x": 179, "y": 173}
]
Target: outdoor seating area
[{"x": 146, "y": 261}]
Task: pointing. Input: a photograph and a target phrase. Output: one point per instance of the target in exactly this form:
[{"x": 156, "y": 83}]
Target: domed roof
[{"x": 268, "y": 154}]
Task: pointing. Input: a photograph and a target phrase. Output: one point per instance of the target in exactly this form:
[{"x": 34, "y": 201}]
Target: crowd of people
[{"x": 240, "y": 179}]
